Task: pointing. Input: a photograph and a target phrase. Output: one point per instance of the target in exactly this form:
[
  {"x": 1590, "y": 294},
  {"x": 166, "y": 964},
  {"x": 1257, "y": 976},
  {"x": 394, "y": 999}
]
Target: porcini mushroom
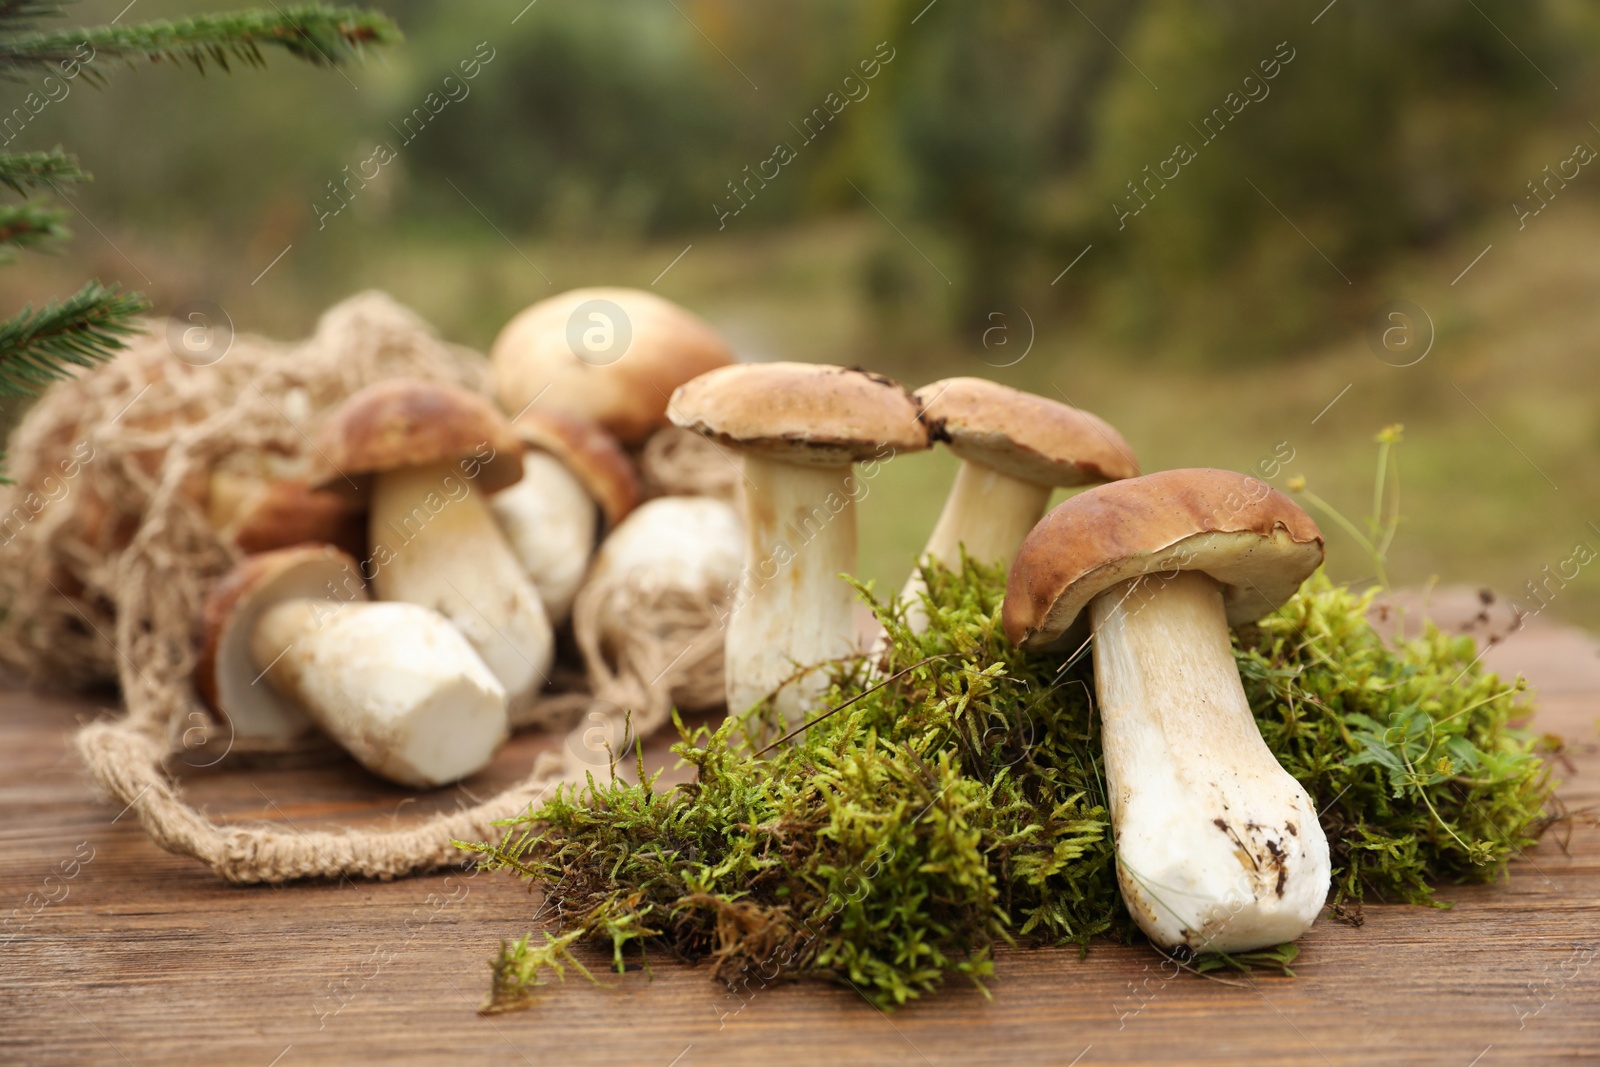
[
  {"x": 1015, "y": 447},
  {"x": 291, "y": 640},
  {"x": 651, "y": 612},
  {"x": 612, "y": 355},
  {"x": 430, "y": 454},
  {"x": 1218, "y": 847},
  {"x": 574, "y": 475},
  {"x": 799, "y": 428},
  {"x": 259, "y": 500}
]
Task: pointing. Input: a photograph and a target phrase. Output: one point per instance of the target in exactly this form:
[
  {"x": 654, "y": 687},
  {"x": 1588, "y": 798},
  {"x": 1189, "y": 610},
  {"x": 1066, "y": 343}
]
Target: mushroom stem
[
  {"x": 988, "y": 513},
  {"x": 792, "y": 610},
  {"x": 1218, "y": 847},
  {"x": 550, "y": 521},
  {"x": 395, "y": 684},
  {"x": 446, "y": 553}
]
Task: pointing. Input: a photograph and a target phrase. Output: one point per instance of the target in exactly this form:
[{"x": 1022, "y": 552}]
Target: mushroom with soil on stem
[
  {"x": 429, "y": 454},
  {"x": 1218, "y": 848},
  {"x": 576, "y": 480},
  {"x": 1014, "y": 447},
  {"x": 611, "y": 355},
  {"x": 292, "y": 642},
  {"x": 800, "y": 427}
]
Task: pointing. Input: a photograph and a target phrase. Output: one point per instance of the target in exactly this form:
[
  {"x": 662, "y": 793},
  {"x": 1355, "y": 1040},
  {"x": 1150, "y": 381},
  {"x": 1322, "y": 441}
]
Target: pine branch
[
  {"x": 38, "y": 347},
  {"x": 20, "y": 170},
  {"x": 320, "y": 35},
  {"x": 30, "y": 225},
  {"x": 19, "y": 14}
]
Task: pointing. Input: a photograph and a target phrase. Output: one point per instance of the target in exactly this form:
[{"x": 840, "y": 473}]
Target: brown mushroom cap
[
  {"x": 409, "y": 422},
  {"x": 625, "y": 390},
  {"x": 292, "y": 513},
  {"x": 1024, "y": 435},
  {"x": 593, "y": 456},
  {"x": 226, "y": 675},
  {"x": 801, "y": 412},
  {"x": 1257, "y": 543},
  {"x": 259, "y": 500}
]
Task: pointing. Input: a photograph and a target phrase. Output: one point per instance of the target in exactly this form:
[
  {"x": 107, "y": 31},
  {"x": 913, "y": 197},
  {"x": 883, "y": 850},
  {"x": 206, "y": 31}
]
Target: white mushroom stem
[
  {"x": 445, "y": 552},
  {"x": 1218, "y": 847},
  {"x": 988, "y": 513},
  {"x": 693, "y": 543},
  {"x": 395, "y": 684},
  {"x": 550, "y": 520},
  {"x": 792, "y": 610},
  {"x": 651, "y": 619}
]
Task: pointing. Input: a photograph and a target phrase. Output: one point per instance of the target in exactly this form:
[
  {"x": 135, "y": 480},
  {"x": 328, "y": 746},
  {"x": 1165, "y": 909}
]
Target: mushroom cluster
[
  {"x": 486, "y": 529},
  {"x": 406, "y": 580}
]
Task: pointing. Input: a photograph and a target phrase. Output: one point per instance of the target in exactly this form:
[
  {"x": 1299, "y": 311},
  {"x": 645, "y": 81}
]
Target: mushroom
[
  {"x": 395, "y": 684},
  {"x": 574, "y": 474},
  {"x": 260, "y": 500},
  {"x": 613, "y": 355},
  {"x": 1218, "y": 847},
  {"x": 800, "y": 427},
  {"x": 1015, "y": 448},
  {"x": 650, "y": 615},
  {"x": 430, "y": 454}
]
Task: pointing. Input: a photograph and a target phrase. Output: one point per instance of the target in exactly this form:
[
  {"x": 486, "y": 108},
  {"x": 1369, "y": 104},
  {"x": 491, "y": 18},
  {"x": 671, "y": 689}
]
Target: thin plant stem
[
  {"x": 1374, "y": 524},
  {"x": 1350, "y": 528},
  {"x": 1394, "y": 508}
]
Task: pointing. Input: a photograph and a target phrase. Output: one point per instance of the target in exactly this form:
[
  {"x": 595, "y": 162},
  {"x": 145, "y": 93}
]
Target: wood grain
[{"x": 139, "y": 957}]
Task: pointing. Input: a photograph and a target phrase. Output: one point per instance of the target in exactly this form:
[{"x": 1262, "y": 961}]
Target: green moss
[
  {"x": 1409, "y": 751},
  {"x": 961, "y": 805}
]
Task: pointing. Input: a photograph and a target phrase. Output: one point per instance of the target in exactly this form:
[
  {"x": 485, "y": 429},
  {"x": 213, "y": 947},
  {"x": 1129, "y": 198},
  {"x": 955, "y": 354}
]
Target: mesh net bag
[{"x": 107, "y": 578}]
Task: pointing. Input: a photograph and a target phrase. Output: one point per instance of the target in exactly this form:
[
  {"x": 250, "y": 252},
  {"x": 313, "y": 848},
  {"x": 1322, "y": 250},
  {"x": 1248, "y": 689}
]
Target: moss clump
[
  {"x": 961, "y": 804},
  {"x": 1408, "y": 751}
]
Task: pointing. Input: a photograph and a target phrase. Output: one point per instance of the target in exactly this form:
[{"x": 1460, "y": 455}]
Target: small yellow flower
[
  {"x": 1297, "y": 483},
  {"x": 1391, "y": 434}
]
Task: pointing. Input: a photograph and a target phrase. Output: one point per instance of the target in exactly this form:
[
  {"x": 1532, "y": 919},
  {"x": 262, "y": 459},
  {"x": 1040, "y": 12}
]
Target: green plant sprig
[
  {"x": 44, "y": 344},
  {"x": 316, "y": 34},
  {"x": 1384, "y": 522},
  {"x": 92, "y": 326}
]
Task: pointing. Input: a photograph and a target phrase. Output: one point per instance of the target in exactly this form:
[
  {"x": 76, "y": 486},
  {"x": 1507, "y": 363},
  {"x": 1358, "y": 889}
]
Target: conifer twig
[
  {"x": 20, "y": 171},
  {"x": 320, "y": 35},
  {"x": 19, "y": 14},
  {"x": 31, "y": 225},
  {"x": 40, "y": 346}
]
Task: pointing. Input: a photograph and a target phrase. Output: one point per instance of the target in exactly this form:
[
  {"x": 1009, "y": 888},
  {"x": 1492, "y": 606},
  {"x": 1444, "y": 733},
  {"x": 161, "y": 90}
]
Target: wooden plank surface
[{"x": 119, "y": 953}]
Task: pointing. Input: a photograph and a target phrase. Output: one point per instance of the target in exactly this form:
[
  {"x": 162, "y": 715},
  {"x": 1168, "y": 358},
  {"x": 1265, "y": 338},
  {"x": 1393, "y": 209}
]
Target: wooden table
[{"x": 146, "y": 958}]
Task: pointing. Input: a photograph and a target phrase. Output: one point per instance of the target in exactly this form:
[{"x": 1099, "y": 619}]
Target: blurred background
[{"x": 1249, "y": 234}]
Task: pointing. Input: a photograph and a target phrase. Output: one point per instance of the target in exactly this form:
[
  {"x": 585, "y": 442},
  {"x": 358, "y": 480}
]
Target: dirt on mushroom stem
[{"x": 963, "y": 805}]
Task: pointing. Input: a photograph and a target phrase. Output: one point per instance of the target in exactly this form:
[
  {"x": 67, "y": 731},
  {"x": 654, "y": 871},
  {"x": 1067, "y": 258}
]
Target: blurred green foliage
[
  {"x": 987, "y": 157},
  {"x": 998, "y": 142}
]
